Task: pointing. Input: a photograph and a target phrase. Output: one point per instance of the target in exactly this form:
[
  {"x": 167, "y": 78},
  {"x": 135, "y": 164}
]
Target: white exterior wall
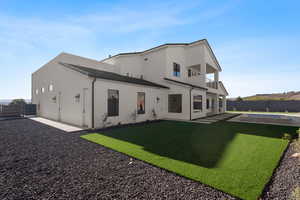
[
  {"x": 128, "y": 102},
  {"x": 66, "y": 82},
  {"x": 187, "y": 103},
  {"x": 131, "y": 65},
  {"x": 194, "y": 56},
  {"x": 208, "y": 58},
  {"x": 154, "y": 65},
  {"x": 177, "y": 55},
  {"x": 85, "y": 62}
]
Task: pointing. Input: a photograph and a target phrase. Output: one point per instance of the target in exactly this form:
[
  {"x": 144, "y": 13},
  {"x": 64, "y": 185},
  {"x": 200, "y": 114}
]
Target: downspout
[
  {"x": 191, "y": 103},
  {"x": 93, "y": 103}
]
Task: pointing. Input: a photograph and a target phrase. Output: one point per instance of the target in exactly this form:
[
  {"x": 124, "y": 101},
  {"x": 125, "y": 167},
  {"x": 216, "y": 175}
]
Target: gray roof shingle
[{"x": 95, "y": 73}]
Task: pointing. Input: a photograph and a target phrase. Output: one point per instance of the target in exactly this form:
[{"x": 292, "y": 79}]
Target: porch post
[
  {"x": 216, "y": 110},
  {"x": 224, "y": 103}
]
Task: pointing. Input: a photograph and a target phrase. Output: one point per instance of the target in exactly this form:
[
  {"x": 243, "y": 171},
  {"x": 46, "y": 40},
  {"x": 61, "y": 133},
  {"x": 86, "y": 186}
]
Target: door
[
  {"x": 59, "y": 106},
  {"x": 84, "y": 106}
]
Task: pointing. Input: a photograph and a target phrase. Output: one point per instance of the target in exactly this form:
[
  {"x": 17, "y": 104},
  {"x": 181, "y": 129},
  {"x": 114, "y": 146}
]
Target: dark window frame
[
  {"x": 176, "y": 69},
  {"x": 207, "y": 104},
  {"x": 144, "y": 109},
  {"x": 198, "y": 103},
  {"x": 189, "y": 73},
  {"x": 112, "y": 104},
  {"x": 172, "y": 99}
]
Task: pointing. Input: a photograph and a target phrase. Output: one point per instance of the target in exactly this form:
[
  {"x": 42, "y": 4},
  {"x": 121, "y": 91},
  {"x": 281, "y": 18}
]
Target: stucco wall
[
  {"x": 128, "y": 102},
  {"x": 66, "y": 85}
]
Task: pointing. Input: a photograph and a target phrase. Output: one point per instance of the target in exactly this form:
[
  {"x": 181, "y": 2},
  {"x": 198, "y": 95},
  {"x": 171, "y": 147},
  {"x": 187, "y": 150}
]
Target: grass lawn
[{"x": 237, "y": 158}]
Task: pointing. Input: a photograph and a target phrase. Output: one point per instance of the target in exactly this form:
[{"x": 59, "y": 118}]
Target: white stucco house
[{"x": 169, "y": 81}]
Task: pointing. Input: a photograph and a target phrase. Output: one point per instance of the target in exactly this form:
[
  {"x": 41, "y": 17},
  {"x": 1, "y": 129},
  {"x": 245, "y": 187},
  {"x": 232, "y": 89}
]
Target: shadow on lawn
[{"x": 199, "y": 144}]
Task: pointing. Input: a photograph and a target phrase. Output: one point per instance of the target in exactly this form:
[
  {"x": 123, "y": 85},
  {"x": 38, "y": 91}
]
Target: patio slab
[{"x": 58, "y": 125}]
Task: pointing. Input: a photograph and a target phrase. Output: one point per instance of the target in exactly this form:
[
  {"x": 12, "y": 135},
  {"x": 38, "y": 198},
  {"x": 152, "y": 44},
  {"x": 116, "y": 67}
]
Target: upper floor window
[
  {"x": 176, "y": 69},
  {"x": 43, "y": 90},
  {"x": 36, "y": 91}
]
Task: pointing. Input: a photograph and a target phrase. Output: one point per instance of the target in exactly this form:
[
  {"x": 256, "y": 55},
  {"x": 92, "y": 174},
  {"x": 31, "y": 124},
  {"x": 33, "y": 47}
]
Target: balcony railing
[{"x": 212, "y": 84}]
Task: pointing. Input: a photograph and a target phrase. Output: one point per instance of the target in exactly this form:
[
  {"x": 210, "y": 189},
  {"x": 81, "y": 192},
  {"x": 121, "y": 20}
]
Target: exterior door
[
  {"x": 59, "y": 106},
  {"x": 84, "y": 106}
]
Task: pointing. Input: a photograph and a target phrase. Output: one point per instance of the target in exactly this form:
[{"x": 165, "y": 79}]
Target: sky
[{"x": 256, "y": 42}]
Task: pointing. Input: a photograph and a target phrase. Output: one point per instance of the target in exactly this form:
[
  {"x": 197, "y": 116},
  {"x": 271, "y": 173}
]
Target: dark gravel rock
[
  {"x": 285, "y": 178},
  {"x": 40, "y": 162}
]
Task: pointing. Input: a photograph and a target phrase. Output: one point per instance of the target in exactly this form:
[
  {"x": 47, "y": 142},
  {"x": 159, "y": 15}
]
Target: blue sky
[{"x": 256, "y": 42}]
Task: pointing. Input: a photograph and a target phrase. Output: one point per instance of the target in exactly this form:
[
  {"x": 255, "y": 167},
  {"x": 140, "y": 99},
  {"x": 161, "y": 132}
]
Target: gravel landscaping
[
  {"x": 286, "y": 178},
  {"x": 40, "y": 162}
]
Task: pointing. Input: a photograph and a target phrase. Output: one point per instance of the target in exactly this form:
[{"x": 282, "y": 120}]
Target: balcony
[{"x": 212, "y": 84}]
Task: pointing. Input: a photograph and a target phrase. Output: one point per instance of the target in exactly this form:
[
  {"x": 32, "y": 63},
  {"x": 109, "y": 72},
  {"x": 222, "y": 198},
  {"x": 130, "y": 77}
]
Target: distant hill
[
  {"x": 7, "y": 101},
  {"x": 275, "y": 96}
]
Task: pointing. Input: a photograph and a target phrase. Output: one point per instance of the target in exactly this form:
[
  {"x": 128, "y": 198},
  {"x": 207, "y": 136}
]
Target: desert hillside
[{"x": 276, "y": 96}]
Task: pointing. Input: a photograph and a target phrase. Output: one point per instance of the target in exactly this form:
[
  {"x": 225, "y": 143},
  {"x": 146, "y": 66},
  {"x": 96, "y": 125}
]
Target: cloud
[{"x": 28, "y": 42}]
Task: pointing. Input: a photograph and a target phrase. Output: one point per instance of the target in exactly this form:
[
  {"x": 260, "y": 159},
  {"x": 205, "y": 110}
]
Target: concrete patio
[{"x": 61, "y": 126}]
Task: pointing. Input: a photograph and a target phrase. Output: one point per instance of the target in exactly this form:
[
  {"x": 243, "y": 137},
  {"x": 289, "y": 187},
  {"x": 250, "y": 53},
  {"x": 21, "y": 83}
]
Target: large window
[
  {"x": 176, "y": 69},
  {"x": 113, "y": 103},
  {"x": 197, "y": 103},
  {"x": 141, "y": 103},
  {"x": 175, "y": 103}
]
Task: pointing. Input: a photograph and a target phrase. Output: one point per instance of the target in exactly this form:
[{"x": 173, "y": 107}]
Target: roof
[
  {"x": 222, "y": 85},
  {"x": 95, "y": 73},
  {"x": 171, "y": 44},
  {"x": 183, "y": 83}
]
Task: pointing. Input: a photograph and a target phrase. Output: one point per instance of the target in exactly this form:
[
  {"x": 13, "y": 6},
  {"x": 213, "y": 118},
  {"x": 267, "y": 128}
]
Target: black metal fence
[
  {"x": 17, "y": 110},
  {"x": 264, "y": 106}
]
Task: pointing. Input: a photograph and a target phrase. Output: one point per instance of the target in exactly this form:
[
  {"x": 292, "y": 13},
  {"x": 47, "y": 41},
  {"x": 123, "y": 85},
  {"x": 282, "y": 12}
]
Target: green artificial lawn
[{"x": 237, "y": 158}]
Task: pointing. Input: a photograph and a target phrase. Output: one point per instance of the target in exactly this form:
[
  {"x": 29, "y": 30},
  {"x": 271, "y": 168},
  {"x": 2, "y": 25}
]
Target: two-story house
[{"x": 170, "y": 81}]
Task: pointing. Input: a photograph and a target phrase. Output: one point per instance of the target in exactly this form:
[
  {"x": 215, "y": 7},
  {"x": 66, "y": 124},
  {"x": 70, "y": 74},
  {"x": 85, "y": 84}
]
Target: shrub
[
  {"x": 296, "y": 193},
  {"x": 287, "y": 136}
]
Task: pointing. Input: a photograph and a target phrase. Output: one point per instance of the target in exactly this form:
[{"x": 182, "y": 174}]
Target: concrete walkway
[
  {"x": 215, "y": 118},
  {"x": 58, "y": 125}
]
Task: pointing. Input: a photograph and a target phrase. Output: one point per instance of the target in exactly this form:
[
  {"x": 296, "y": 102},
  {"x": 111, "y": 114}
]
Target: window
[
  {"x": 220, "y": 103},
  {"x": 36, "y": 91},
  {"x": 176, "y": 69},
  {"x": 197, "y": 102},
  {"x": 212, "y": 103},
  {"x": 50, "y": 88},
  {"x": 175, "y": 103},
  {"x": 113, "y": 103},
  {"x": 43, "y": 90},
  {"x": 207, "y": 103},
  {"x": 189, "y": 72},
  {"x": 141, "y": 103},
  {"x": 77, "y": 98}
]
